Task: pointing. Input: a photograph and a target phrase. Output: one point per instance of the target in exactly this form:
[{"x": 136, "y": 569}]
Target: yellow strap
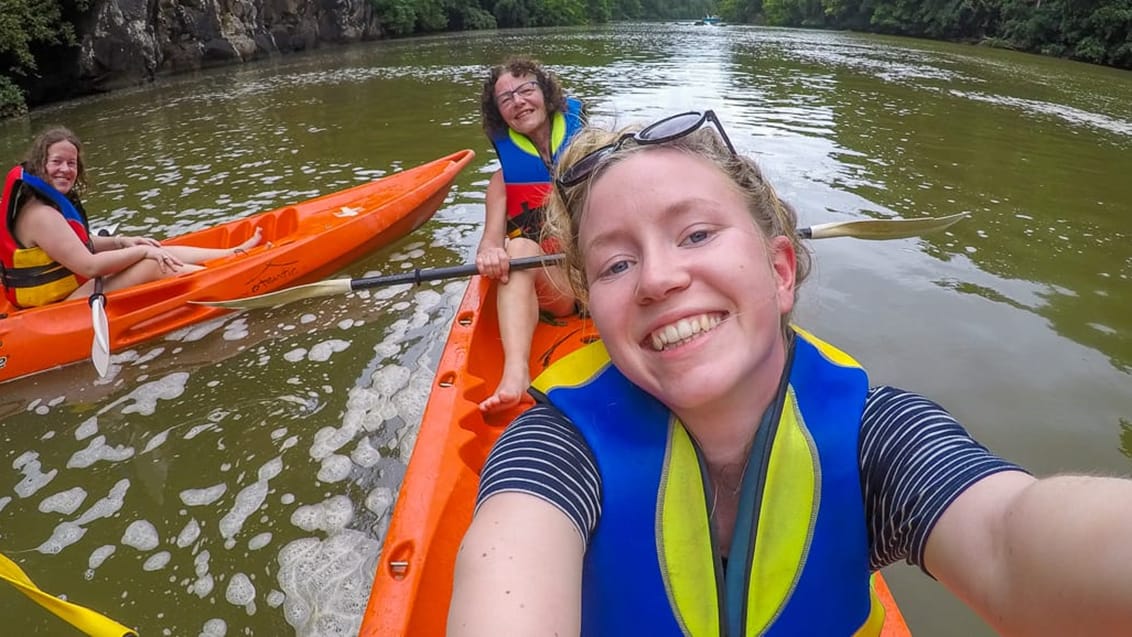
[{"x": 84, "y": 619}]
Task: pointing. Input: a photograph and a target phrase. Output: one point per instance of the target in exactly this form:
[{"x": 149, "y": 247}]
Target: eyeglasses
[
  {"x": 526, "y": 90},
  {"x": 663, "y": 131}
]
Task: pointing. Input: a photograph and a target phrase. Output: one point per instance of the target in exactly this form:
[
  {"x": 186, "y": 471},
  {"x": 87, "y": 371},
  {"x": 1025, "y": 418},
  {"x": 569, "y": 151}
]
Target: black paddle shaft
[{"x": 418, "y": 275}]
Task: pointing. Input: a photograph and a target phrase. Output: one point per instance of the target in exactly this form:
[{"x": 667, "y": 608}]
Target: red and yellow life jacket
[{"x": 31, "y": 278}]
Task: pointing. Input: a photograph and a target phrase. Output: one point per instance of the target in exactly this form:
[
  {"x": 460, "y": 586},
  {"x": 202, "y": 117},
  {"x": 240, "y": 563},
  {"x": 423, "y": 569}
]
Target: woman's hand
[
  {"x": 493, "y": 262},
  {"x": 122, "y": 241},
  {"x": 165, "y": 260}
]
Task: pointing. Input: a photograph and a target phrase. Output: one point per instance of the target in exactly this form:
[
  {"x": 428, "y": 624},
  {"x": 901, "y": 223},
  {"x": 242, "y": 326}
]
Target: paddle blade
[
  {"x": 100, "y": 347},
  {"x": 86, "y": 620},
  {"x": 882, "y": 229},
  {"x": 271, "y": 299}
]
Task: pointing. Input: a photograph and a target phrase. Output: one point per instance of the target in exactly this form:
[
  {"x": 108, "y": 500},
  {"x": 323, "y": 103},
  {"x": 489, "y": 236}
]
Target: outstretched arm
[
  {"x": 1040, "y": 557},
  {"x": 491, "y": 256},
  {"x": 519, "y": 571}
]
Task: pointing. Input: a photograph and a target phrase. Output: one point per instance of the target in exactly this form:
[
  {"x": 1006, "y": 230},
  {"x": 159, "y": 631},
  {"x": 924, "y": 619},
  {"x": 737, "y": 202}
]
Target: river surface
[{"x": 236, "y": 478}]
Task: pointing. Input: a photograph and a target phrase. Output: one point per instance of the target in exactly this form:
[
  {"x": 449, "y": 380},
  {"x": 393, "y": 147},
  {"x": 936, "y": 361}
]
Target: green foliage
[
  {"x": 11, "y": 99},
  {"x": 1098, "y": 31}
]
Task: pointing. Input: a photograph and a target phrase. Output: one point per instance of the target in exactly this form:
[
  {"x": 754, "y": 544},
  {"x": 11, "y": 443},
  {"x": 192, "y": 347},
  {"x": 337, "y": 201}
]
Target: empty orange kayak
[
  {"x": 412, "y": 586},
  {"x": 301, "y": 243}
]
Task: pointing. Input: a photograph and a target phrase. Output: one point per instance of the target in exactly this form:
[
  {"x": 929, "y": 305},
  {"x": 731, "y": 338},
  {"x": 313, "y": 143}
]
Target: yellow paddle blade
[
  {"x": 84, "y": 619},
  {"x": 271, "y": 299}
]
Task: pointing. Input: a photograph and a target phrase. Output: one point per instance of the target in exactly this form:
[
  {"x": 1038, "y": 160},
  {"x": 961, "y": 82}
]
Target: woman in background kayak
[
  {"x": 731, "y": 474},
  {"x": 529, "y": 120},
  {"x": 47, "y": 251}
]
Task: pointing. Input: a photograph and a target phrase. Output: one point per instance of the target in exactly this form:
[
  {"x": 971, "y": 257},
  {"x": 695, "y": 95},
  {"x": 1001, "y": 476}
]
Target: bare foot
[
  {"x": 252, "y": 242},
  {"x": 508, "y": 394}
]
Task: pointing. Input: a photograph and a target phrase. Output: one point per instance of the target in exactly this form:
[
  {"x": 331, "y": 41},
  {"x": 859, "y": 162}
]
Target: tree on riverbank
[{"x": 1097, "y": 31}]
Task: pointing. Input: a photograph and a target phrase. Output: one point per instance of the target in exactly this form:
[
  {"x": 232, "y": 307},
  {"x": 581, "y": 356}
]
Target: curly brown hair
[
  {"x": 565, "y": 206},
  {"x": 35, "y": 162},
  {"x": 552, "y": 93}
]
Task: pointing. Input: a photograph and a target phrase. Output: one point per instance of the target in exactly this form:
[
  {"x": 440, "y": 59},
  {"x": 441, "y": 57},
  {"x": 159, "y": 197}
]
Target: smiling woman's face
[
  {"x": 521, "y": 102},
  {"x": 687, "y": 293},
  {"x": 62, "y": 166}
]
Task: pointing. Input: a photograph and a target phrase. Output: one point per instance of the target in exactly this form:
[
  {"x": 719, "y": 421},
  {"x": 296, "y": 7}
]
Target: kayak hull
[
  {"x": 301, "y": 243},
  {"x": 412, "y": 584}
]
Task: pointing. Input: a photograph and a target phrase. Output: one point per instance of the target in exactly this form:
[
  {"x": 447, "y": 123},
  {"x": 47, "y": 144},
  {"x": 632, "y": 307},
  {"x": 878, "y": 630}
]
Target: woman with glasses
[
  {"x": 529, "y": 121},
  {"x": 47, "y": 252},
  {"x": 708, "y": 468}
]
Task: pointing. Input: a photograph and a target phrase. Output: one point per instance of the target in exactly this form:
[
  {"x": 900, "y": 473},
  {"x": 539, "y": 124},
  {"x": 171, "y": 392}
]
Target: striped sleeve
[
  {"x": 543, "y": 454},
  {"x": 915, "y": 460}
]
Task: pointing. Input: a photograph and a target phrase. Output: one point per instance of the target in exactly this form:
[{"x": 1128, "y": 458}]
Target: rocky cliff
[{"x": 131, "y": 41}]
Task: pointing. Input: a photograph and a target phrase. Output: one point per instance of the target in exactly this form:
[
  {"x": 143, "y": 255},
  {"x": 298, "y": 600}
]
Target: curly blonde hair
[{"x": 566, "y": 205}]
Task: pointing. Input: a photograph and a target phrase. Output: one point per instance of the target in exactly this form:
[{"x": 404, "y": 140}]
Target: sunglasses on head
[{"x": 660, "y": 132}]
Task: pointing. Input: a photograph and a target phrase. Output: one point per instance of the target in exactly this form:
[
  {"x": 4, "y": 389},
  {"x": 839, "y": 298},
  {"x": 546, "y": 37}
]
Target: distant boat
[{"x": 711, "y": 20}]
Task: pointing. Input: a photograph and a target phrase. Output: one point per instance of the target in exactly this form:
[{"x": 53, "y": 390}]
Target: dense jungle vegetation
[{"x": 35, "y": 32}]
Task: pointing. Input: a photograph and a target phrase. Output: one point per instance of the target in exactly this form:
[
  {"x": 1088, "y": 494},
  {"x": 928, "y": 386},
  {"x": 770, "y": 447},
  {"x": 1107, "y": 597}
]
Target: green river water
[{"x": 236, "y": 478}]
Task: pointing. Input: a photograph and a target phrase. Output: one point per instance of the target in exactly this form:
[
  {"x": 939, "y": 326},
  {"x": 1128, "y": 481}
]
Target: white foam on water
[
  {"x": 6, "y": 499},
  {"x": 149, "y": 356},
  {"x": 380, "y": 500},
  {"x": 286, "y": 498},
  {"x": 65, "y": 502},
  {"x": 100, "y": 555},
  {"x": 241, "y": 591},
  {"x": 307, "y": 318},
  {"x": 400, "y": 306},
  {"x": 107, "y": 506},
  {"x": 335, "y": 468},
  {"x": 288, "y": 443},
  {"x": 236, "y": 330},
  {"x": 249, "y": 500},
  {"x": 259, "y": 541},
  {"x": 276, "y": 434},
  {"x": 189, "y": 533},
  {"x": 345, "y": 324},
  {"x": 197, "y": 430},
  {"x": 330, "y": 515},
  {"x": 99, "y": 450},
  {"x": 364, "y": 455},
  {"x": 34, "y": 478},
  {"x": 141, "y": 535},
  {"x": 197, "y": 332},
  {"x": 156, "y": 441},
  {"x": 42, "y": 410},
  {"x": 275, "y": 598},
  {"x": 157, "y": 561},
  {"x": 200, "y": 562},
  {"x": 202, "y": 586},
  {"x": 34, "y": 404},
  {"x": 145, "y": 397},
  {"x": 64, "y": 535},
  {"x": 322, "y": 352},
  {"x": 295, "y": 355},
  {"x": 207, "y": 495},
  {"x": 214, "y": 628},
  {"x": 48, "y": 435},
  {"x": 326, "y": 583}
]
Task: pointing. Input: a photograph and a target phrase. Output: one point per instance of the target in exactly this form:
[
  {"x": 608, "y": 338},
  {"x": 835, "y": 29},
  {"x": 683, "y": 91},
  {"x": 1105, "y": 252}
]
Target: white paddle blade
[{"x": 100, "y": 347}]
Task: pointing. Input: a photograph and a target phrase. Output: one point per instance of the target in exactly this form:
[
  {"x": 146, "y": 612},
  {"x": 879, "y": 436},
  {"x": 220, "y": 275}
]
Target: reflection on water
[{"x": 236, "y": 477}]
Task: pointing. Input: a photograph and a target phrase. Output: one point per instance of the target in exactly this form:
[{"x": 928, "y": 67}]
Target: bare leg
[
  {"x": 143, "y": 271},
  {"x": 195, "y": 255},
  {"x": 518, "y": 302}
]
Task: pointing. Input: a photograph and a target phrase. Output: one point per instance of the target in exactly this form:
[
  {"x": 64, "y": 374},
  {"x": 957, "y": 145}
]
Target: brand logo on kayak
[
  {"x": 347, "y": 211},
  {"x": 272, "y": 276}
]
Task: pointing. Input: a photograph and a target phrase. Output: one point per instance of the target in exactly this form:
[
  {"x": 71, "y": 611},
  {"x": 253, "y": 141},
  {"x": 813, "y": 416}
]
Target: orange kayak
[
  {"x": 301, "y": 242},
  {"x": 413, "y": 583}
]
